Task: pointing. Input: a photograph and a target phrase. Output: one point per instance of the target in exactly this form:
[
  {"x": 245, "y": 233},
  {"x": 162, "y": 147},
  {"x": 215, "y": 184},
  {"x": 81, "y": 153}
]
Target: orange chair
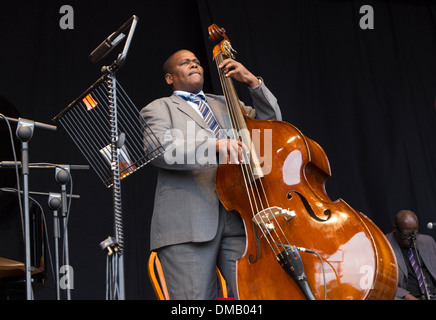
[{"x": 157, "y": 278}]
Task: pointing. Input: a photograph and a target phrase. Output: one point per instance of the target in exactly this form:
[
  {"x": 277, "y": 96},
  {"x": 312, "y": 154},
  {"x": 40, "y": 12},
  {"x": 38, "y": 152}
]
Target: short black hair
[{"x": 167, "y": 66}]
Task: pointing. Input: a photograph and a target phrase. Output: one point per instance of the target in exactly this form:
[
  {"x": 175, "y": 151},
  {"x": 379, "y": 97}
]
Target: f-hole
[{"x": 327, "y": 213}]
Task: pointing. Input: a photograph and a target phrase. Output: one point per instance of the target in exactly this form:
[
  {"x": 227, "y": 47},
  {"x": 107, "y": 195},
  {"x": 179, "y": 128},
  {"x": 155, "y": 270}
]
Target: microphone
[
  {"x": 13, "y": 190},
  {"x": 290, "y": 261},
  {"x": 413, "y": 238},
  {"x": 28, "y": 122},
  {"x": 12, "y": 164},
  {"x": 105, "y": 47},
  {"x": 431, "y": 225},
  {"x": 305, "y": 250},
  {"x": 302, "y": 249}
]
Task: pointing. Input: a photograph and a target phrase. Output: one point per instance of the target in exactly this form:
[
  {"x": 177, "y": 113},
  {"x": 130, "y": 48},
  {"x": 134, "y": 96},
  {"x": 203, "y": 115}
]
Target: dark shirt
[{"x": 412, "y": 280}]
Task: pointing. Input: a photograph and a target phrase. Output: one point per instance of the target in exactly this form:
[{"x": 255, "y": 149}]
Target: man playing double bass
[{"x": 191, "y": 231}]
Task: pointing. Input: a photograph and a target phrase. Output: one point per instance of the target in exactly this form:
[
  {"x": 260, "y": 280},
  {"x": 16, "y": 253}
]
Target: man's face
[
  {"x": 186, "y": 72},
  {"x": 403, "y": 232}
]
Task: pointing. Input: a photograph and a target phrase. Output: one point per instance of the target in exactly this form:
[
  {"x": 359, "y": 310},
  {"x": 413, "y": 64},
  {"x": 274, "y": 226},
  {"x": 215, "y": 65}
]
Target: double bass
[{"x": 299, "y": 243}]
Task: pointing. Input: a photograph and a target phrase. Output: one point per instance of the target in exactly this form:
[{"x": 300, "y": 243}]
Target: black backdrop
[{"x": 366, "y": 96}]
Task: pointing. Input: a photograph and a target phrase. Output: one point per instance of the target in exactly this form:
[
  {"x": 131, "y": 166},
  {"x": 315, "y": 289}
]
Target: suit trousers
[{"x": 190, "y": 268}]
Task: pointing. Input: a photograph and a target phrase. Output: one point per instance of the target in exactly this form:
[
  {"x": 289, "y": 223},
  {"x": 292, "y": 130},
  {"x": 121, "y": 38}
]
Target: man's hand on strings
[
  {"x": 237, "y": 71},
  {"x": 231, "y": 151}
]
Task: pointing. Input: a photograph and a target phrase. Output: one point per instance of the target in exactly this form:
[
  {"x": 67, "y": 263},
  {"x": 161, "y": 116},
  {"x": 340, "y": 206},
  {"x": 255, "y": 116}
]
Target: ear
[{"x": 169, "y": 78}]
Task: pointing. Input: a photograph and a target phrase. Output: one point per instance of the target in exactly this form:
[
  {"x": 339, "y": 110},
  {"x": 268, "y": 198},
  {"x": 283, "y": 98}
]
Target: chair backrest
[
  {"x": 222, "y": 283},
  {"x": 157, "y": 278},
  {"x": 158, "y": 282}
]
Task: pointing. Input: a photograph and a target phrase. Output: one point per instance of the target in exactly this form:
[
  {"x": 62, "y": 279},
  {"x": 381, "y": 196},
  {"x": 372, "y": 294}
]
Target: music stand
[{"x": 106, "y": 126}]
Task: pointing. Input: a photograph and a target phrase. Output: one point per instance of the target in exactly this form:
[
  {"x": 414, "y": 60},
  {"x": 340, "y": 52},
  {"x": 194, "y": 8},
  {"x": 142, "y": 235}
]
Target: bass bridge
[{"x": 265, "y": 218}]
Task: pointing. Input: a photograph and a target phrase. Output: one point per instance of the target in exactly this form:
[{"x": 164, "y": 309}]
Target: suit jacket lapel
[
  {"x": 184, "y": 107},
  {"x": 217, "y": 109},
  {"x": 426, "y": 258},
  {"x": 400, "y": 260}
]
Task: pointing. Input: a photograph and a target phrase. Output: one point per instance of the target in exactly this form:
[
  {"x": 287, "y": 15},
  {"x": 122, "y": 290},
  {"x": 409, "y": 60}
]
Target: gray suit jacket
[
  {"x": 427, "y": 250},
  {"x": 186, "y": 205}
]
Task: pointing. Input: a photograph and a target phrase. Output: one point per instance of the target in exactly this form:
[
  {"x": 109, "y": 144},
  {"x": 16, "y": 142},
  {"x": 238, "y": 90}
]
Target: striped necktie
[
  {"x": 421, "y": 279},
  {"x": 207, "y": 114}
]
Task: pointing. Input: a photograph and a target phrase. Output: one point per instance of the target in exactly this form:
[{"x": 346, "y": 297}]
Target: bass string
[
  {"x": 239, "y": 119},
  {"x": 238, "y": 123},
  {"x": 234, "y": 123}
]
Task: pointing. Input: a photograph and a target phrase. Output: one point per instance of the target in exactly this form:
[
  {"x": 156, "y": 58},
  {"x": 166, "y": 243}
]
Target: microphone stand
[
  {"x": 418, "y": 260},
  {"x": 13, "y": 190},
  {"x": 117, "y": 141},
  {"x": 62, "y": 176},
  {"x": 24, "y": 133},
  {"x": 54, "y": 203},
  {"x": 113, "y": 152},
  {"x": 12, "y": 164}
]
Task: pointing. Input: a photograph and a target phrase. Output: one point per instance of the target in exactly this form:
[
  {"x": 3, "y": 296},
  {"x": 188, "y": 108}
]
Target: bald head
[
  {"x": 405, "y": 217},
  {"x": 406, "y": 224}
]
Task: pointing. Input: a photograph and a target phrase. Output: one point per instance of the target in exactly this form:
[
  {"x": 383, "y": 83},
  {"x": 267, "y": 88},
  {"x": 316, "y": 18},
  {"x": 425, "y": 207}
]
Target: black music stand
[{"x": 106, "y": 126}]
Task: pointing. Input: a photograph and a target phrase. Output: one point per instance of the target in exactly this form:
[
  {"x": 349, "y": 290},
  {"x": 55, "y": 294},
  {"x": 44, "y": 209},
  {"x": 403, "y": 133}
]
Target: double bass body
[
  {"x": 285, "y": 205},
  {"x": 357, "y": 260}
]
